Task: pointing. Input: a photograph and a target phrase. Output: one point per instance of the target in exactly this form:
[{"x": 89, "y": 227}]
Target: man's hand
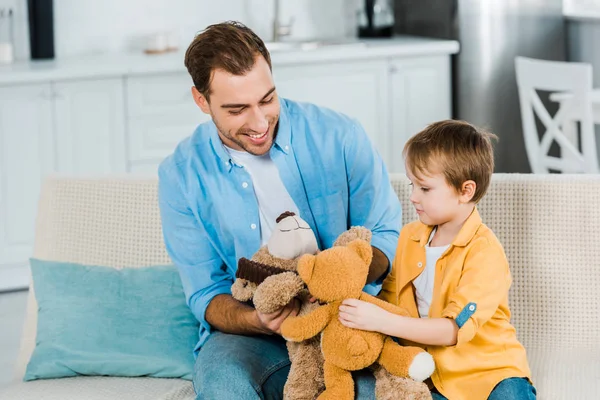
[
  {"x": 272, "y": 322},
  {"x": 359, "y": 314}
]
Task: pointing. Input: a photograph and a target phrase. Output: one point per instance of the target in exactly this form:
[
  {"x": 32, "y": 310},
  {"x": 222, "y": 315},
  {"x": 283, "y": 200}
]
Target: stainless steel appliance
[{"x": 491, "y": 34}]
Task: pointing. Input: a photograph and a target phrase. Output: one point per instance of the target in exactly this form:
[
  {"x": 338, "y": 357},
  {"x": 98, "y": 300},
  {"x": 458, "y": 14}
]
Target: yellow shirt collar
[{"x": 465, "y": 235}]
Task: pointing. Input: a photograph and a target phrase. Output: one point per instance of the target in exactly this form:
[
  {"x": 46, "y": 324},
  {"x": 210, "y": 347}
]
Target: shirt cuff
[
  {"x": 199, "y": 303},
  {"x": 373, "y": 288},
  {"x": 467, "y": 325}
]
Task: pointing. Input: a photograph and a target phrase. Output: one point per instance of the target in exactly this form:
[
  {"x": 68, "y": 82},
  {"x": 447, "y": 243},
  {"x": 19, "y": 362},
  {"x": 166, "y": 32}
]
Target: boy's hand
[{"x": 359, "y": 314}]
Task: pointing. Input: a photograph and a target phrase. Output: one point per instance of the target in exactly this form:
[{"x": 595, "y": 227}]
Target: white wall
[{"x": 89, "y": 26}]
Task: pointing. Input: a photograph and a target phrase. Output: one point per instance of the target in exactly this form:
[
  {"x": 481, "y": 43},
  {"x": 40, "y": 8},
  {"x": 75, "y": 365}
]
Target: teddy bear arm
[
  {"x": 384, "y": 304},
  {"x": 276, "y": 291},
  {"x": 301, "y": 328}
]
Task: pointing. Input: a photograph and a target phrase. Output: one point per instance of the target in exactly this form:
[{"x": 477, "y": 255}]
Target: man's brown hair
[
  {"x": 456, "y": 149},
  {"x": 230, "y": 46}
]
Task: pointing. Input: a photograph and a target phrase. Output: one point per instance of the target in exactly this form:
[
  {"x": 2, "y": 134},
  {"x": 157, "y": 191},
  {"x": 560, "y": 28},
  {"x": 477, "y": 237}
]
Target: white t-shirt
[
  {"x": 271, "y": 194},
  {"x": 424, "y": 283}
]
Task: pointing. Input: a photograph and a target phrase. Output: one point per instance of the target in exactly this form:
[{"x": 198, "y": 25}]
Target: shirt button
[
  {"x": 245, "y": 185},
  {"x": 419, "y": 264},
  {"x": 253, "y": 226},
  {"x": 471, "y": 307},
  {"x": 227, "y": 163},
  {"x": 287, "y": 147}
]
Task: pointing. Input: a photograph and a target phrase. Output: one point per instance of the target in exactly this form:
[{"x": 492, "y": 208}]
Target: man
[{"x": 222, "y": 189}]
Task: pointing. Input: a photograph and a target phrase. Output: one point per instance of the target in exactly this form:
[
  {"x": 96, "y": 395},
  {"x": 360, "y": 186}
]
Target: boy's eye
[{"x": 425, "y": 189}]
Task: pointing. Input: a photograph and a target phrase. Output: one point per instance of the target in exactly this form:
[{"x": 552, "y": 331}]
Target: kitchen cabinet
[
  {"x": 359, "y": 90},
  {"x": 89, "y": 127},
  {"x": 420, "y": 94},
  {"x": 71, "y": 127},
  {"x": 125, "y": 114},
  {"x": 27, "y": 153}
]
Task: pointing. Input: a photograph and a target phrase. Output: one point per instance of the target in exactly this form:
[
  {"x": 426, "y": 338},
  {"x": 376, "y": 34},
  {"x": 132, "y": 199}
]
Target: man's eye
[
  {"x": 267, "y": 101},
  {"x": 236, "y": 112}
]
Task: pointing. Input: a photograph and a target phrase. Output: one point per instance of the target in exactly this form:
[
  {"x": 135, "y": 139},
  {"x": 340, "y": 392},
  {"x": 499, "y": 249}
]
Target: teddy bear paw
[{"x": 421, "y": 367}]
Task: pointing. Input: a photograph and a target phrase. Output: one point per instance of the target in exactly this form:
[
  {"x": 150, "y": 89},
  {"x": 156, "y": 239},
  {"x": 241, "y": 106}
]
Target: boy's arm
[
  {"x": 384, "y": 304},
  {"x": 483, "y": 286},
  {"x": 297, "y": 329}
]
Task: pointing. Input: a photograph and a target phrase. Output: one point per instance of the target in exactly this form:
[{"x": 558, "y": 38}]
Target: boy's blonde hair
[{"x": 456, "y": 149}]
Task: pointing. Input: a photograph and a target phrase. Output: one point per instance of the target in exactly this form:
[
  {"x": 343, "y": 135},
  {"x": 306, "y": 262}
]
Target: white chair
[{"x": 557, "y": 76}]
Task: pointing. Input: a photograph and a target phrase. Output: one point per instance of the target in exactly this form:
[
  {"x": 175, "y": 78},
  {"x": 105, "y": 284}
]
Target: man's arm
[
  {"x": 206, "y": 281},
  {"x": 373, "y": 203},
  {"x": 379, "y": 265},
  {"x": 229, "y": 315}
]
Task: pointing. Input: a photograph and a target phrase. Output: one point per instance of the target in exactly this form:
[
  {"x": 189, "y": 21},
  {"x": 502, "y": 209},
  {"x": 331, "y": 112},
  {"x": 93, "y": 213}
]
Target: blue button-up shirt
[{"x": 210, "y": 218}]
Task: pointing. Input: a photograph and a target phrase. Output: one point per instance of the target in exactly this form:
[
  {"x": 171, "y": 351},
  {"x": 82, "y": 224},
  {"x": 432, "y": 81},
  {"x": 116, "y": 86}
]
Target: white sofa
[{"x": 549, "y": 225}]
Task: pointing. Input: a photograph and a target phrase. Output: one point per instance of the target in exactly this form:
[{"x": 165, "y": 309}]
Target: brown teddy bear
[
  {"x": 270, "y": 281},
  {"x": 332, "y": 276}
]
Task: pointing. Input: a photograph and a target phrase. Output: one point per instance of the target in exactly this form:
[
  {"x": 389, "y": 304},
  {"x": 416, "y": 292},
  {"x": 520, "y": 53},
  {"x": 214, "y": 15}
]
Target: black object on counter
[{"x": 41, "y": 29}]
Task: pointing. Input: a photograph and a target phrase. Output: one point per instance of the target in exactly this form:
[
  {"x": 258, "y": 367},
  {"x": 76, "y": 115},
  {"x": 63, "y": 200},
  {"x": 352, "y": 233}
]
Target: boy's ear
[{"x": 467, "y": 191}]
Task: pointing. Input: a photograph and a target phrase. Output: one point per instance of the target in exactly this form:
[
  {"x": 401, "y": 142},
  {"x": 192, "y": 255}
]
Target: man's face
[{"x": 244, "y": 108}]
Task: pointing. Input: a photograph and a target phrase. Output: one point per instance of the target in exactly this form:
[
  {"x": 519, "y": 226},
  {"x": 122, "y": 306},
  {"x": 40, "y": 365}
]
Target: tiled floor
[{"x": 12, "y": 315}]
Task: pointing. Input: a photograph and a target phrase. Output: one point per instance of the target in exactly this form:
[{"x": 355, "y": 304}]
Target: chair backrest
[
  {"x": 557, "y": 76},
  {"x": 549, "y": 225}
]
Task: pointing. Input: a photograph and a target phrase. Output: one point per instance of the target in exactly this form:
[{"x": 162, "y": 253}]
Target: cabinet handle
[{"x": 393, "y": 69}]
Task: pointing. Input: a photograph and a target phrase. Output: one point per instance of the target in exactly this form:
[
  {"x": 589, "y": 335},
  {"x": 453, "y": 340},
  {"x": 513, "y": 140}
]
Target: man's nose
[{"x": 258, "y": 121}]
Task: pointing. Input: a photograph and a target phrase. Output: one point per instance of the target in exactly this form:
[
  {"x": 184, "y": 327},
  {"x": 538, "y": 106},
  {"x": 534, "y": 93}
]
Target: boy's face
[{"x": 436, "y": 202}]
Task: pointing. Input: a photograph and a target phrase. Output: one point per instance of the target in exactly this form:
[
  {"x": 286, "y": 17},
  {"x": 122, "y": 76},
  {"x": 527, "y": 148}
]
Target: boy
[{"x": 451, "y": 274}]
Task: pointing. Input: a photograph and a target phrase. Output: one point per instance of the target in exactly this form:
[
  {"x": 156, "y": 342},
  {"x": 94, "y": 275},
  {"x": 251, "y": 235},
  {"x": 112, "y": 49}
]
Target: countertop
[{"x": 113, "y": 65}]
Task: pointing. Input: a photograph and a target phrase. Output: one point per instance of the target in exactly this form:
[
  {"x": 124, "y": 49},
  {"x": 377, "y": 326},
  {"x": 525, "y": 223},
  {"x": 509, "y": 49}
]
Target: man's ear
[
  {"x": 200, "y": 100},
  {"x": 467, "y": 191}
]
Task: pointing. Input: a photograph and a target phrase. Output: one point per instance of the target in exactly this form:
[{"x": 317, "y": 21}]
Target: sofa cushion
[
  {"x": 95, "y": 320},
  {"x": 100, "y": 388},
  {"x": 565, "y": 373}
]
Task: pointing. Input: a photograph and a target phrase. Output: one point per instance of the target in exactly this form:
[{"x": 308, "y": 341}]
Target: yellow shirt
[{"x": 471, "y": 285}]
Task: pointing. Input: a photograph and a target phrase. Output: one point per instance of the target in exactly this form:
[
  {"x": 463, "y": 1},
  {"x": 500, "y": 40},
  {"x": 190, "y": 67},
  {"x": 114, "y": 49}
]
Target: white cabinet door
[
  {"x": 90, "y": 126},
  {"x": 26, "y": 156},
  {"x": 421, "y": 94},
  {"x": 161, "y": 113},
  {"x": 357, "y": 89}
]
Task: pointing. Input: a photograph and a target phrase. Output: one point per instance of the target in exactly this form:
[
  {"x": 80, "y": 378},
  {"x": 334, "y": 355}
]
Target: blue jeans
[
  {"x": 508, "y": 389},
  {"x": 252, "y": 367}
]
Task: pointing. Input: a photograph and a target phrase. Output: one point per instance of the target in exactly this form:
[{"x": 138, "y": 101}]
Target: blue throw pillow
[{"x": 105, "y": 321}]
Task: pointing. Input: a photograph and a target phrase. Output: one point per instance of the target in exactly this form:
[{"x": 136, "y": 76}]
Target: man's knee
[
  {"x": 226, "y": 379},
  {"x": 236, "y": 367}
]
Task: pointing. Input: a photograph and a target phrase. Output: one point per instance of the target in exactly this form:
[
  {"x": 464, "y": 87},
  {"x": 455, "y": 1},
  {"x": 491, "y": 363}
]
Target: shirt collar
[
  {"x": 465, "y": 235},
  {"x": 284, "y": 128},
  {"x": 218, "y": 148},
  {"x": 282, "y": 140}
]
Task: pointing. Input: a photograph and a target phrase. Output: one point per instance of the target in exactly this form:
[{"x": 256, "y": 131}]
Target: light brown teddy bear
[
  {"x": 270, "y": 281},
  {"x": 334, "y": 275}
]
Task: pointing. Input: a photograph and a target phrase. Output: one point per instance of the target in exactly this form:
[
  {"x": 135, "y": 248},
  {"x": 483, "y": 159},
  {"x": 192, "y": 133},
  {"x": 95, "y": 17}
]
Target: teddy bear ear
[
  {"x": 363, "y": 249},
  {"x": 306, "y": 266}
]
